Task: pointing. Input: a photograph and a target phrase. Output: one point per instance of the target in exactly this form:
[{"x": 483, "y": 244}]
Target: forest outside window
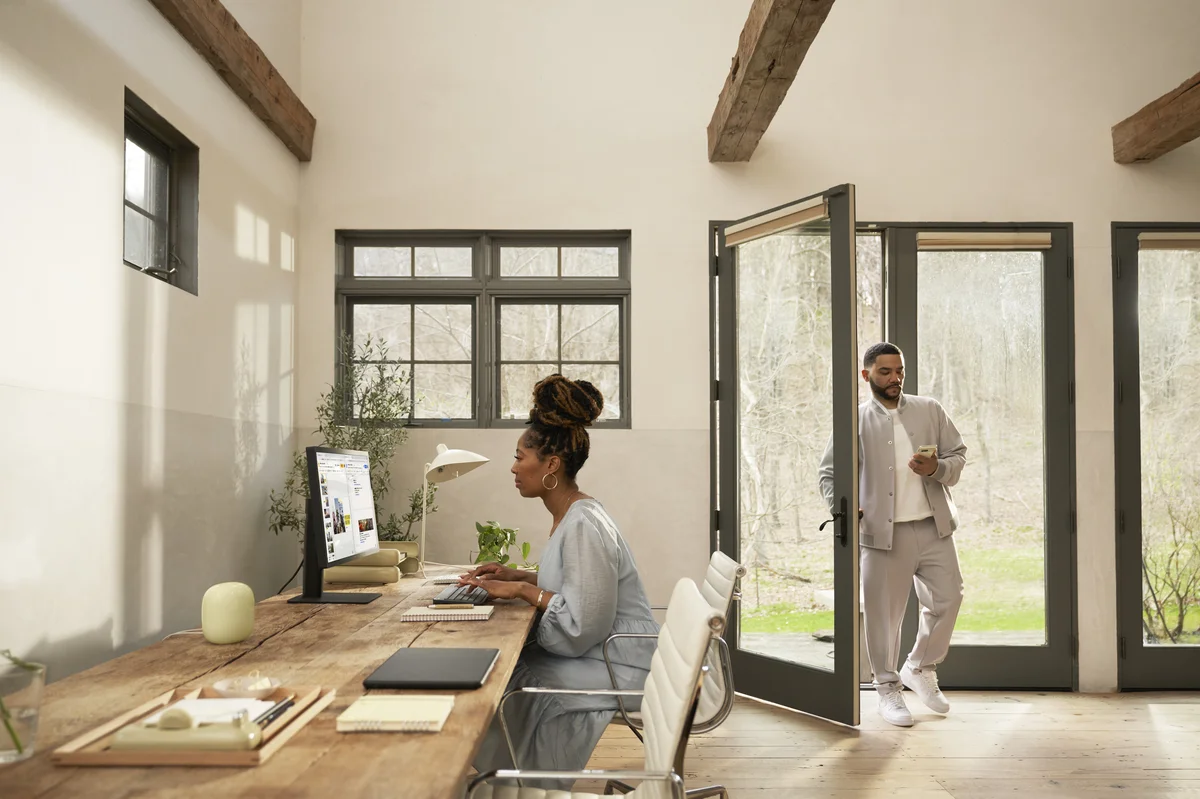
[{"x": 472, "y": 320}]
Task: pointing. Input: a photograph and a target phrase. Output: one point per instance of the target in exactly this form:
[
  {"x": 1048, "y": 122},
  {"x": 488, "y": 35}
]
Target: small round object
[
  {"x": 251, "y": 687},
  {"x": 227, "y": 613},
  {"x": 176, "y": 718}
]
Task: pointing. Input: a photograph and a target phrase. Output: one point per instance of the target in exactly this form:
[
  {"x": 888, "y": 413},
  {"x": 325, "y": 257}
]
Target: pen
[
  {"x": 451, "y": 607},
  {"x": 275, "y": 711}
]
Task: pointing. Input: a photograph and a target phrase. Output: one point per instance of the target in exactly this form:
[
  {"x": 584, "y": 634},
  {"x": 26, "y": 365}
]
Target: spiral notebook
[
  {"x": 412, "y": 713},
  {"x": 477, "y": 613}
]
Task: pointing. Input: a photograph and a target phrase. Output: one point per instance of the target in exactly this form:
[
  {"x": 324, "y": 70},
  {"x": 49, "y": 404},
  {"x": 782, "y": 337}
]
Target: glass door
[
  {"x": 983, "y": 315},
  {"x": 785, "y": 310},
  {"x": 1156, "y": 338}
]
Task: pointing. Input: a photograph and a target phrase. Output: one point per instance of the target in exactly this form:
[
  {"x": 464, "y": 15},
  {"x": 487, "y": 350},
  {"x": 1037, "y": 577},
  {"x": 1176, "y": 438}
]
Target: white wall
[
  {"x": 572, "y": 114},
  {"x": 143, "y": 426},
  {"x": 274, "y": 25}
]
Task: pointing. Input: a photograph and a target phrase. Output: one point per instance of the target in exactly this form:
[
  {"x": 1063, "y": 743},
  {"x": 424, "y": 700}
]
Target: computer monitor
[{"x": 340, "y": 523}]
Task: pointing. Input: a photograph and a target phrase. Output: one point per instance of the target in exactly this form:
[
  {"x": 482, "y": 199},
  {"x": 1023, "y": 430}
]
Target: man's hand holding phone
[{"x": 925, "y": 462}]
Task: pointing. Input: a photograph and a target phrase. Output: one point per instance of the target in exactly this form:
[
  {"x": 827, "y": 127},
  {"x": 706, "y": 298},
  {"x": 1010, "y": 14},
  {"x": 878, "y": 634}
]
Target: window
[
  {"x": 473, "y": 320},
  {"x": 161, "y": 197},
  {"x": 1156, "y": 331}
]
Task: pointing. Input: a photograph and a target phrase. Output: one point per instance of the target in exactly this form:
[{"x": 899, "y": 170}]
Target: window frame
[
  {"x": 149, "y": 130},
  {"x": 487, "y": 290},
  {"x": 1139, "y": 666},
  {"x": 1054, "y": 664}
]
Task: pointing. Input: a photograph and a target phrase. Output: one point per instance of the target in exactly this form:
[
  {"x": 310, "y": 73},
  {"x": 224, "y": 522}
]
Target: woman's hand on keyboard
[
  {"x": 499, "y": 588},
  {"x": 495, "y": 572}
]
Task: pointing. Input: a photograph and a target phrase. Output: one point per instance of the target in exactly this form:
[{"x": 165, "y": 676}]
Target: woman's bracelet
[{"x": 537, "y": 603}]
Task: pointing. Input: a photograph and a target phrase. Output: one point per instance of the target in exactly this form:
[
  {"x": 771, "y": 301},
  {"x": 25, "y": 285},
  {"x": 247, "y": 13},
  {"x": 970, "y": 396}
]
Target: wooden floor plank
[{"x": 1025, "y": 745}]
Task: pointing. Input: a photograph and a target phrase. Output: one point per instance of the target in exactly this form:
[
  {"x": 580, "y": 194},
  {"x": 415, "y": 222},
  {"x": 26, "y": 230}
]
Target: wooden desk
[{"x": 329, "y": 645}]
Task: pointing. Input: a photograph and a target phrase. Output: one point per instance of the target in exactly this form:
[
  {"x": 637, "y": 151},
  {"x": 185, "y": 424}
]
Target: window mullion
[{"x": 489, "y": 293}]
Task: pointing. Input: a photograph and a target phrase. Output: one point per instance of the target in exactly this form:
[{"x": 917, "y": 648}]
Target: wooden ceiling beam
[
  {"x": 209, "y": 27},
  {"x": 774, "y": 41},
  {"x": 1166, "y": 123}
]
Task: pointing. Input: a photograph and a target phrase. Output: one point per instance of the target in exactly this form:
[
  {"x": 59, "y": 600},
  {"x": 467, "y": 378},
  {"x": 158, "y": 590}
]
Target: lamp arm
[{"x": 424, "y": 503}]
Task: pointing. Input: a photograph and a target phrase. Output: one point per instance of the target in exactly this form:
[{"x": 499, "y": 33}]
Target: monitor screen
[{"x": 347, "y": 504}]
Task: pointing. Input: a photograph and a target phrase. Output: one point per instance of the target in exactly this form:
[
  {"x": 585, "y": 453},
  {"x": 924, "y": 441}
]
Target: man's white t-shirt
[{"x": 911, "y": 504}]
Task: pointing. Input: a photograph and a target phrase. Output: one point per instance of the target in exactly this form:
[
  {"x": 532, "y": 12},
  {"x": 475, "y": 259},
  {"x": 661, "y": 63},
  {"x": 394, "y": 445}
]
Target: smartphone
[{"x": 929, "y": 450}]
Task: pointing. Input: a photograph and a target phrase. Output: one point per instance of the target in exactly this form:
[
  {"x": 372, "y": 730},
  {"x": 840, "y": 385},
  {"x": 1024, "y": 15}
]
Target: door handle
[{"x": 842, "y": 519}]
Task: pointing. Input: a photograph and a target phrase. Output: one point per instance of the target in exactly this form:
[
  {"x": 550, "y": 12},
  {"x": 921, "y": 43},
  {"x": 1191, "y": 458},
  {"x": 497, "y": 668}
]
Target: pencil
[{"x": 451, "y": 607}]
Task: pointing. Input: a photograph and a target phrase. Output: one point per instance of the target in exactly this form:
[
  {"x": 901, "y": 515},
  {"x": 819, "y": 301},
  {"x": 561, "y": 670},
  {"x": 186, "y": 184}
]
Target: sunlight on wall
[
  {"x": 68, "y": 165},
  {"x": 150, "y": 614},
  {"x": 153, "y": 336},
  {"x": 287, "y": 252},
  {"x": 262, "y": 252},
  {"x": 287, "y": 371},
  {"x": 21, "y": 560},
  {"x": 252, "y": 234},
  {"x": 252, "y": 356}
]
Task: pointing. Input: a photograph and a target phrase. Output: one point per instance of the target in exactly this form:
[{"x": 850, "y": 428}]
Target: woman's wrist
[{"x": 538, "y": 597}]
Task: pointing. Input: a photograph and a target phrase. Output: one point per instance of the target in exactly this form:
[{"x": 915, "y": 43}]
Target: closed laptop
[{"x": 434, "y": 667}]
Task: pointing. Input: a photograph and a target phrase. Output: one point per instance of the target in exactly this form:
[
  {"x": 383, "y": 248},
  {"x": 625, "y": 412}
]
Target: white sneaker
[
  {"x": 923, "y": 682},
  {"x": 893, "y": 709}
]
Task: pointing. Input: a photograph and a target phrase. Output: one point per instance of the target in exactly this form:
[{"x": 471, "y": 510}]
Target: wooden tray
[{"x": 91, "y": 748}]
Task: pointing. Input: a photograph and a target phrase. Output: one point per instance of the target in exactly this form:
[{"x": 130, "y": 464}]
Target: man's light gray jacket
[{"x": 926, "y": 422}]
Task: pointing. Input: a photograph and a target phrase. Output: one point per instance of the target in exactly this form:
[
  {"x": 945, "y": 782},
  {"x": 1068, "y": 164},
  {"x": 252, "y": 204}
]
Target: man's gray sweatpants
[{"x": 920, "y": 558}]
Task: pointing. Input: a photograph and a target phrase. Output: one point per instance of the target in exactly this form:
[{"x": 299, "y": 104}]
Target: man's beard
[{"x": 882, "y": 392}]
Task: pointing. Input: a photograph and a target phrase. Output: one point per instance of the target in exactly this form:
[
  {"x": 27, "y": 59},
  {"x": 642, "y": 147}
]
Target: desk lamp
[{"x": 448, "y": 464}]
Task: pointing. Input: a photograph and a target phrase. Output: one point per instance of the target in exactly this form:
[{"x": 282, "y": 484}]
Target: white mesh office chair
[
  {"x": 716, "y": 690},
  {"x": 668, "y": 705}
]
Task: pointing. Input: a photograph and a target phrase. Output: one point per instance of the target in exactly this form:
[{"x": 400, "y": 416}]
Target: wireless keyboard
[{"x": 461, "y": 595}]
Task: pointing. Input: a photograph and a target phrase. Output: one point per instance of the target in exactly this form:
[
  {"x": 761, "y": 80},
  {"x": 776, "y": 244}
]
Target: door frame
[
  {"x": 1053, "y": 666},
  {"x": 1139, "y": 667},
  {"x": 832, "y": 695}
]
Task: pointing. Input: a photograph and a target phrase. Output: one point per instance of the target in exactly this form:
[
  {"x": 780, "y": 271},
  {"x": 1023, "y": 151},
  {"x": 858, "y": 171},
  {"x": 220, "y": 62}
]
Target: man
[{"x": 906, "y": 518}]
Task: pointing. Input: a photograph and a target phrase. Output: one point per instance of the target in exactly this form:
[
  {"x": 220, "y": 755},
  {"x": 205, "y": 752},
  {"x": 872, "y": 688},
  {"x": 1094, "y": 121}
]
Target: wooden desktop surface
[{"x": 328, "y": 645}]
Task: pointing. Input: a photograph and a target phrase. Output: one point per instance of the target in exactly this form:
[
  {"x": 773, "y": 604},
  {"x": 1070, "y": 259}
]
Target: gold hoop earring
[{"x": 549, "y": 474}]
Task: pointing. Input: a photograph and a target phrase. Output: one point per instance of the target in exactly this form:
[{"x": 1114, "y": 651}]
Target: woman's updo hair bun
[
  {"x": 562, "y": 411},
  {"x": 561, "y": 402}
]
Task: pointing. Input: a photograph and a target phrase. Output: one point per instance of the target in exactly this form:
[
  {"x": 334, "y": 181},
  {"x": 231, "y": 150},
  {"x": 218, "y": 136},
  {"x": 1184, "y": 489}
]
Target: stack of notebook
[
  {"x": 379, "y": 567},
  {"x": 477, "y": 613},
  {"x": 392, "y": 713}
]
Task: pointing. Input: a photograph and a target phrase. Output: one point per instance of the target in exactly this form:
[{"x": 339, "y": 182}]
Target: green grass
[
  {"x": 1004, "y": 591},
  {"x": 784, "y": 618},
  {"x": 1191, "y": 623}
]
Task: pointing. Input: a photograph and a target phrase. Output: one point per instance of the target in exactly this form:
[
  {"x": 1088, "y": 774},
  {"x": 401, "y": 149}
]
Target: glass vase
[{"x": 20, "y": 703}]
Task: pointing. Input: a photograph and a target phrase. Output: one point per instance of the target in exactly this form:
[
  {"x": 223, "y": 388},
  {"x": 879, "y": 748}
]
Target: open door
[{"x": 786, "y": 386}]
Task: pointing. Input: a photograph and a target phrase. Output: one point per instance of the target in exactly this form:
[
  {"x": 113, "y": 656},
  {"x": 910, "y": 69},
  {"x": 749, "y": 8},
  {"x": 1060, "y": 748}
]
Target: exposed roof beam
[
  {"x": 772, "y": 46},
  {"x": 209, "y": 27},
  {"x": 1160, "y": 127}
]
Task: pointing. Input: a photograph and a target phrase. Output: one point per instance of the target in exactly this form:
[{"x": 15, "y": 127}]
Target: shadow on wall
[
  {"x": 65, "y": 656},
  {"x": 206, "y": 425}
]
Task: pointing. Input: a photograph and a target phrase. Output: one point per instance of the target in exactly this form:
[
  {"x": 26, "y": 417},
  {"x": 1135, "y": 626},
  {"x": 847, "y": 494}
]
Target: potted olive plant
[{"x": 365, "y": 409}]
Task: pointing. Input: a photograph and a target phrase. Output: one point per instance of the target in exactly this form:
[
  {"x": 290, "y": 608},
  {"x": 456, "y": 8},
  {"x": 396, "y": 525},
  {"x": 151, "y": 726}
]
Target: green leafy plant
[
  {"x": 365, "y": 409},
  {"x": 5, "y": 715},
  {"x": 494, "y": 542}
]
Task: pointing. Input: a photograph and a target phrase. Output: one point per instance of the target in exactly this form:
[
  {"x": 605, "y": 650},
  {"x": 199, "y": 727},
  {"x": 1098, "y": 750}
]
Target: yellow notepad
[
  {"x": 477, "y": 613},
  {"x": 396, "y": 713}
]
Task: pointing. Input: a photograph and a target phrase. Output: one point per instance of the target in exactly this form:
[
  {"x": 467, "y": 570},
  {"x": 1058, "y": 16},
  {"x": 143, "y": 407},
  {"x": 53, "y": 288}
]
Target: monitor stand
[{"x": 312, "y": 593}]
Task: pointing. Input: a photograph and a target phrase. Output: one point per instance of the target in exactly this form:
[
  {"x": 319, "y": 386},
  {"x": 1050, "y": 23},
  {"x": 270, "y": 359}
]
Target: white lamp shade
[{"x": 451, "y": 463}]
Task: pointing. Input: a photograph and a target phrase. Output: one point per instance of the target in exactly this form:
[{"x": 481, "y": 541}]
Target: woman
[{"x": 587, "y": 589}]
